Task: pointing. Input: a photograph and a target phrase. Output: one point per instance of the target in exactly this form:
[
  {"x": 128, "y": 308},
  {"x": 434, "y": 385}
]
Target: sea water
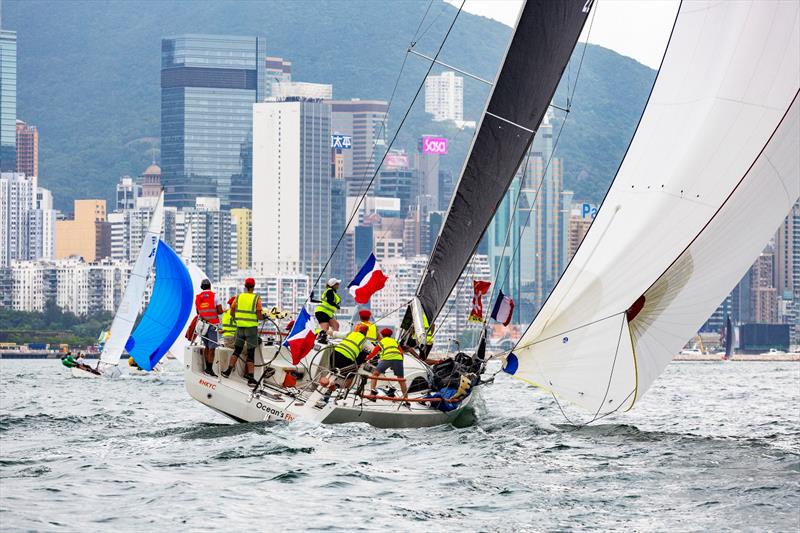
[{"x": 711, "y": 447}]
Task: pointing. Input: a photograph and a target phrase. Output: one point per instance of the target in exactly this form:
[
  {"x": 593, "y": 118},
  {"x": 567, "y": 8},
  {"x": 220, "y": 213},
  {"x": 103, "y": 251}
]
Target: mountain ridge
[{"x": 95, "y": 93}]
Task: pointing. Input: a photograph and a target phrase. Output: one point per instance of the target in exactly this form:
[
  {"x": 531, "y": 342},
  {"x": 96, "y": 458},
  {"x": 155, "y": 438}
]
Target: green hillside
[{"x": 88, "y": 77}]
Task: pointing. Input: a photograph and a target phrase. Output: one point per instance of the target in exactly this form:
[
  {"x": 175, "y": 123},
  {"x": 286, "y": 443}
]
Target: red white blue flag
[
  {"x": 300, "y": 340},
  {"x": 368, "y": 281},
  {"x": 503, "y": 309}
]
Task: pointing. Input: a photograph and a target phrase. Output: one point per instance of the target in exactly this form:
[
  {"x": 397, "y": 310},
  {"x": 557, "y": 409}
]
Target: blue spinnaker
[{"x": 167, "y": 312}]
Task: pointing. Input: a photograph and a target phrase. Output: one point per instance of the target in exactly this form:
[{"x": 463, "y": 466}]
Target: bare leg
[
  {"x": 373, "y": 383},
  {"x": 334, "y": 324},
  {"x": 232, "y": 364}
]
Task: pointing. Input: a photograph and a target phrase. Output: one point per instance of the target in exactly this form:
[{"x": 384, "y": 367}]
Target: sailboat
[
  {"x": 165, "y": 316},
  {"x": 715, "y": 155},
  {"x": 537, "y": 55}
]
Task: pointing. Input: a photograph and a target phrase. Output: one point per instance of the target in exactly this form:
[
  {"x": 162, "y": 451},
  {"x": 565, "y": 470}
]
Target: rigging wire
[{"x": 391, "y": 143}]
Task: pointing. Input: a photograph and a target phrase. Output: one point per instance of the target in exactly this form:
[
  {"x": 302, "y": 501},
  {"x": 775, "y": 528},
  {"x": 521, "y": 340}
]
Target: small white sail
[
  {"x": 128, "y": 309},
  {"x": 711, "y": 172}
]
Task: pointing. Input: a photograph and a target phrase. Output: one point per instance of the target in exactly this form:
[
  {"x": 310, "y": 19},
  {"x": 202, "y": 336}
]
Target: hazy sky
[{"x": 633, "y": 28}]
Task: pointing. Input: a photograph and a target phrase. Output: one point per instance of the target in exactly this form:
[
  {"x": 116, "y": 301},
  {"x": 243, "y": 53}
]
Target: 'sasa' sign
[{"x": 434, "y": 145}]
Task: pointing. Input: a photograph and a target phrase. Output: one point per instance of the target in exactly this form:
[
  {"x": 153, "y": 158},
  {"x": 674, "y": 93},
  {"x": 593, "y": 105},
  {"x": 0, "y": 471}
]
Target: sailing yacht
[
  {"x": 715, "y": 155},
  {"x": 167, "y": 312},
  {"x": 536, "y": 57}
]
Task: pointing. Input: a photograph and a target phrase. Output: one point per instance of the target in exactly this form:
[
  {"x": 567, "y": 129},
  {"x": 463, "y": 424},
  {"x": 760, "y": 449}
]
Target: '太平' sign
[
  {"x": 344, "y": 142},
  {"x": 434, "y": 145}
]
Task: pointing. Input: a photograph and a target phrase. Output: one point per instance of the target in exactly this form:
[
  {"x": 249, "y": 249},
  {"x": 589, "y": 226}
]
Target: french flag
[
  {"x": 300, "y": 340},
  {"x": 369, "y": 280},
  {"x": 503, "y": 309}
]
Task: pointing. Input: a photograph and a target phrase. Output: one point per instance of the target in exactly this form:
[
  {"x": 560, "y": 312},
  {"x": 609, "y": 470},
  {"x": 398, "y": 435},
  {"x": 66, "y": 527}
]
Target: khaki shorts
[{"x": 228, "y": 341}]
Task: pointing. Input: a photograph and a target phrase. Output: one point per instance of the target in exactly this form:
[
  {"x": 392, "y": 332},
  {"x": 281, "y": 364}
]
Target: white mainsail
[
  {"x": 710, "y": 174},
  {"x": 128, "y": 309}
]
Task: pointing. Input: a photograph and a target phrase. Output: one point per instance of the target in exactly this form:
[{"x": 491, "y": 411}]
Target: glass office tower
[
  {"x": 209, "y": 84},
  {"x": 8, "y": 101}
]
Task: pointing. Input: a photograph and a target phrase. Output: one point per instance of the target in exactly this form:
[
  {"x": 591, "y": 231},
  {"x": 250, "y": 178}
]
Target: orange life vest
[{"x": 206, "y": 308}]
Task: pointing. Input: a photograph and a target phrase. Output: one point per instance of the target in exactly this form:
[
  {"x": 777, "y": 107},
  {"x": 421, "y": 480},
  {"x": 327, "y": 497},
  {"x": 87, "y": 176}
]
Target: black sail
[{"x": 540, "y": 49}]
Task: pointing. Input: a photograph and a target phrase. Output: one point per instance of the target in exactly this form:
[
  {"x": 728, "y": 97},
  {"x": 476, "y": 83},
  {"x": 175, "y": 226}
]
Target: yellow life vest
[
  {"x": 228, "y": 327},
  {"x": 350, "y": 346},
  {"x": 428, "y": 330},
  {"x": 372, "y": 330},
  {"x": 390, "y": 350},
  {"x": 326, "y": 308},
  {"x": 246, "y": 316}
]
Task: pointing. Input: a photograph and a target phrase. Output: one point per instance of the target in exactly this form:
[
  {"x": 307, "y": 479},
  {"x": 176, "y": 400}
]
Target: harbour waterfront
[{"x": 712, "y": 446}]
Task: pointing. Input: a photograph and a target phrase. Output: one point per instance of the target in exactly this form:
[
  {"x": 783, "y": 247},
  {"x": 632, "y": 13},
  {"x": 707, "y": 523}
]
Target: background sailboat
[{"x": 715, "y": 155}]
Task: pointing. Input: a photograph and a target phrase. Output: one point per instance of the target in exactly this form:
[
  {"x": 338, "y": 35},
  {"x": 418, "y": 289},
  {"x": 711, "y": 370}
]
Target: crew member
[
  {"x": 228, "y": 325},
  {"x": 247, "y": 313},
  {"x": 350, "y": 352},
  {"x": 325, "y": 311},
  {"x": 391, "y": 356},
  {"x": 69, "y": 361},
  {"x": 353, "y": 348},
  {"x": 208, "y": 310},
  {"x": 372, "y": 330}
]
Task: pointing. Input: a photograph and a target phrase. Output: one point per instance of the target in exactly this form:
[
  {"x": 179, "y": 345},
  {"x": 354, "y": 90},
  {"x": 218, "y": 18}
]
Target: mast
[{"x": 539, "y": 50}]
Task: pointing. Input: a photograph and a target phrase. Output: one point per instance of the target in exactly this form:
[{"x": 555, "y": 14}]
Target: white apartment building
[
  {"x": 444, "y": 97},
  {"x": 300, "y": 89},
  {"x": 291, "y": 185},
  {"x": 74, "y": 286},
  {"x": 27, "y": 225},
  {"x": 285, "y": 291}
]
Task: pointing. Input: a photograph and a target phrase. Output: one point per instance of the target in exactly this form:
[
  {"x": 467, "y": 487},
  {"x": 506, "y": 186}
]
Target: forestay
[
  {"x": 166, "y": 314},
  {"x": 128, "y": 309},
  {"x": 714, "y": 156},
  {"x": 540, "y": 48}
]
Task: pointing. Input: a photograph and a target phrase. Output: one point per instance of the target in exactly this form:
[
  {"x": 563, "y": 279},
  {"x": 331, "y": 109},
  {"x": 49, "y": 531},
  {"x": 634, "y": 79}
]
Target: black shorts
[
  {"x": 341, "y": 361},
  {"x": 322, "y": 318}
]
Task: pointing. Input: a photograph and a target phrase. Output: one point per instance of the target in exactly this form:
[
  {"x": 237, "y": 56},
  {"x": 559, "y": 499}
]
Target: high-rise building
[
  {"x": 243, "y": 220},
  {"x": 150, "y": 181},
  {"x": 580, "y": 220},
  {"x": 426, "y": 163},
  {"x": 444, "y": 96},
  {"x": 8, "y": 101},
  {"x": 447, "y": 184},
  {"x": 291, "y": 185},
  {"x": 209, "y": 84},
  {"x": 287, "y": 291},
  {"x": 213, "y": 230},
  {"x": 27, "y": 149},
  {"x": 277, "y": 70},
  {"x": 17, "y": 200},
  {"x": 397, "y": 179},
  {"x": 363, "y": 122},
  {"x": 763, "y": 295},
  {"x": 787, "y": 269},
  {"x": 87, "y": 235}
]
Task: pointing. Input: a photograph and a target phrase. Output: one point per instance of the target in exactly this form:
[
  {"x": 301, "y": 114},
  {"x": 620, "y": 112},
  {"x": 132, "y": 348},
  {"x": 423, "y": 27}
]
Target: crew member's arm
[
  {"x": 259, "y": 309},
  {"x": 219, "y": 308},
  {"x": 375, "y": 351}
]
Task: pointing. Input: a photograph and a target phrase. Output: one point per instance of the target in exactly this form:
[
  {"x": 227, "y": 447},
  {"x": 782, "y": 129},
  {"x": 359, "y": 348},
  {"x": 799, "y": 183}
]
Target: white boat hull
[{"x": 233, "y": 398}]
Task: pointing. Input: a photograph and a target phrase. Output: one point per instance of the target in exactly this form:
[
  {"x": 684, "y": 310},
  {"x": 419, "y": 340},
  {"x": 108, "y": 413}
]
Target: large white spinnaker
[
  {"x": 128, "y": 309},
  {"x": 710, "y": 173}
]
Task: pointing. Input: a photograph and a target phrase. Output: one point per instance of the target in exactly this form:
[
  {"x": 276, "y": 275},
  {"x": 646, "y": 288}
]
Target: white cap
[{"x": 333, "y": 281}]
